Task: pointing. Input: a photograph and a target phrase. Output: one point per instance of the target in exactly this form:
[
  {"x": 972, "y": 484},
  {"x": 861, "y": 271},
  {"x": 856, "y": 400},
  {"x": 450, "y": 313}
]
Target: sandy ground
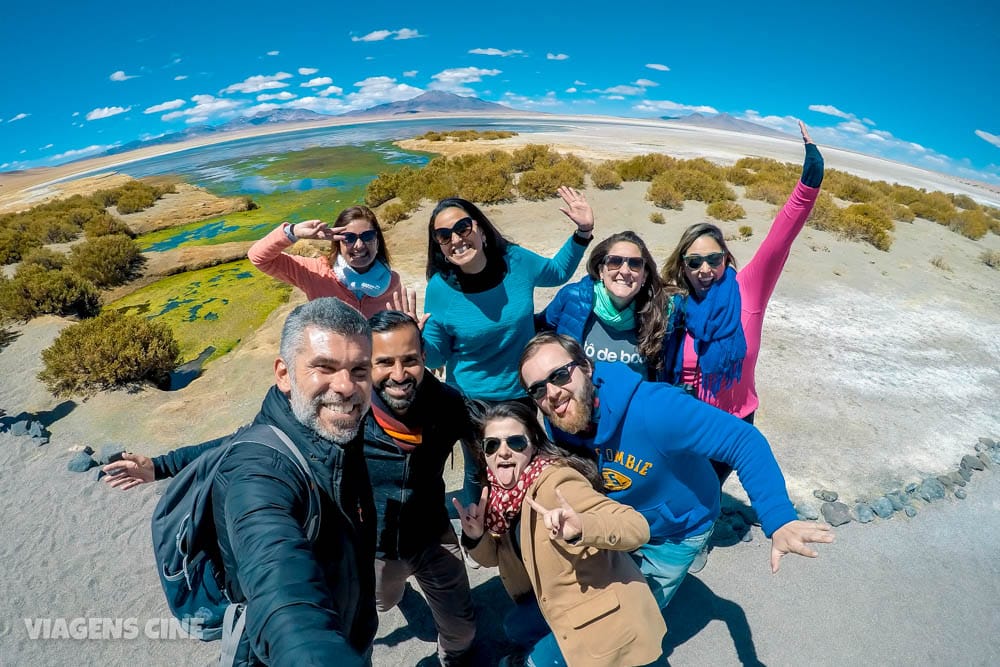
[{"x": 877, "y": 369}]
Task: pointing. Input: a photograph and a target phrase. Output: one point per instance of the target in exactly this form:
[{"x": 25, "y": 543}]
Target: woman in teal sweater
[{"x": 480, "y": 294}]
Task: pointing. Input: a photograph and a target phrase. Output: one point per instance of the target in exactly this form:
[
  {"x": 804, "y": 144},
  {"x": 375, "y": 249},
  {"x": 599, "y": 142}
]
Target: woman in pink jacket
[{"x": 356, "y": 272}]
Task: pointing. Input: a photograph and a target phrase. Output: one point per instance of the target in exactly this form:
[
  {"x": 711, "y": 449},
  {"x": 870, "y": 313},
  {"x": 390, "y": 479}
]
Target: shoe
[{"x": 698, "y": 564}]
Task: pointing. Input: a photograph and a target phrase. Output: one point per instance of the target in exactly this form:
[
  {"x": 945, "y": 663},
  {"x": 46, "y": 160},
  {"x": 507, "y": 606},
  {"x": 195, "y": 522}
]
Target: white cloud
[
  {"x": 579, "y": 83},
  {"x": 283, "y": 95},
  {"x": 454, "y": 80},
  {"x": 20, "y": 116},
  {"x": 556, "y": 56},
  {"x": 378, "y": 90},
  {"x": 165, "y": 106},
  {"x": 613, "y": 97},
  {"x": 89, "y": 150},
  {"x": 379, "y": 35},
  {"x": 658, "y": 67},
  {"x": 121, "y": 76},
  {"x": 332, "y": 90},
  {"x": 496, "y": 52},
  {"x": 571, "y": 90},
  {"x": 645, "y": 83},
  {"x": 260, "y": 108},
  {"x": 831, "y": 110},
  {"x": 513, "y": 99},
  {"x": 407, "y": 33},
  {"x": 659, "y": 106},
  {"x": 75, "y": 114},
  {"x": 989, "y": 138},
  {"x": 307, "y": 71},
  {"x": 788, "y": 124},
  {"x": 273, "y": 53},
  {"x": 259, "y": 82},
  {"x": 868, "y": 121},
  {"x": 106, "y": 112},
  {"x": 45, "y": 147},
  {"x": 206, "y": 108},
  {"x": 180, "y": 77},
  {"x": 619, "y": 90},
  {"x": 323, "y": 105},
  {"x": 317, "y": 82},
  {"x": 410, "y": 73}
]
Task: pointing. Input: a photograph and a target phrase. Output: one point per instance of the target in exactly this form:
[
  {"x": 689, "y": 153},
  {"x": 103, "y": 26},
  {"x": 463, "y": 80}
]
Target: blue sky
[{"x": 909, "y": 81}]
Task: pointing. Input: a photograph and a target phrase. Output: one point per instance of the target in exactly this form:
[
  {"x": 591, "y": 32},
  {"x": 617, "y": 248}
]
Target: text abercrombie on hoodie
[{"x": 653, "y": 444}]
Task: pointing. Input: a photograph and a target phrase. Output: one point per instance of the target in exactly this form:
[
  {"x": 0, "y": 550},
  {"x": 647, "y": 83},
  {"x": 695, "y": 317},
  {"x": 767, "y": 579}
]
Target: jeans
[
  {"x": 665, "y": 565},
  {"x": 526, "y": 628}
]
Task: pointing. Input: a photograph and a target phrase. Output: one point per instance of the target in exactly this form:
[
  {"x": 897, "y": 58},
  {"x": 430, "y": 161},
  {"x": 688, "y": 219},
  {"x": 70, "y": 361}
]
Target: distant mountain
[
  {"x": 272, "y": 117},
  {"x": 724, "y": 121},
  {"x": 430, "y": 102}
]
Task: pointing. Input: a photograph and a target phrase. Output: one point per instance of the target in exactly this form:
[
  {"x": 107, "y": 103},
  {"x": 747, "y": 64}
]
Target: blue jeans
[
  {"x": 665, "y": 565},
  {"x": 526, "y": 628}
]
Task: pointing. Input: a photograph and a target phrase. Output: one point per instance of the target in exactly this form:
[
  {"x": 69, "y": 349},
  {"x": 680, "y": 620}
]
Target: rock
[
  {"x": 987, "y": 461},
  {"x": 35, "y": 429},
  {"x": 807, "y": 511},
  {"x": 947, "y": 481},
  {"x": 958, "y": 479},
  {"x": 747, "y": 537},
  {"x": 995, "y": 455},
  {"x": 980, "y": 447},
  {"x": 961, "y": 494},
  {"x": 89, "y": 451},
  {"x": 911, "y": 488},
  {"x": 826, "y": 496},
  {"x": 883, "y": 507},
  {"x": 81, "y": 462},
  {"x": 836, "y": 514},
  {"x": 988, "y": 442},
  {"x": 931, "y": 490},
  {"x": 897, "y": 500},
  {"x": 19, "y": 428},
  {"x": 970, "y": 462},
  {"x": 965, "y": 473},
  {"x": 110, "y": 454},
  {"x": 910, "y": 510},
  {"x": 39, "y": 441},
  {"x": 864, "y": 513}
]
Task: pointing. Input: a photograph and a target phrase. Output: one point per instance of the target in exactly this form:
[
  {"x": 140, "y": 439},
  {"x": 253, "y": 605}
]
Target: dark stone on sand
[
  {"x": 110, "y": 454},
  {"x": 931, "y": 489},
  {"x": 836, "y": 514},
  {"x": 807, "y": 511},
  {"x": 970, "y": 462},
  {"x": 911, "y": 488},
  {"x": 910, "y": 511},
  {"x": 883, "y": 507},
  {"x": 989, "y": 442},
  {"x": 965, "y": 473},
  {"x": 897, "y": 499},
  {"x": 961, "y": 494},
  {"x": 35, "y": 430},
  {"x": 826, "y": 496},
  {"x": 19, "y": 428},
  {"x": 947, "y": 481},
  {"x": 995, "y": 455},
  {"x": 81, "y": 462},
  {"x": 957, "y": 478},
  {"x": 40, "y": 440},
  {"x": 864, "y": 513},
  {"x": 987, "y": 461}
]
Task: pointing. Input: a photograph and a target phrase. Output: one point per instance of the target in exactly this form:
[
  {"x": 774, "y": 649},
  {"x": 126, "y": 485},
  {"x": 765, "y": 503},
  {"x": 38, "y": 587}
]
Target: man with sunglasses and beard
[
  {"x": 407, "y": 437},
  {"x": 653, "y": 443}
]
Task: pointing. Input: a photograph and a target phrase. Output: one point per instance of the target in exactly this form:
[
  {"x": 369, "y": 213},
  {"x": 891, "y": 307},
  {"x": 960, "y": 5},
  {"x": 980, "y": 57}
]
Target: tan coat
[{"x": 591, "y": 593}]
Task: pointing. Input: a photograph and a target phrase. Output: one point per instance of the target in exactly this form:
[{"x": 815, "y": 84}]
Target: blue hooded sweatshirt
[{"x": 653, "y": 443}]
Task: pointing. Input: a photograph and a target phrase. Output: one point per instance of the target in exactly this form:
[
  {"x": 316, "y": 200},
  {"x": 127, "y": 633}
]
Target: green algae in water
[{"x": 217, "y": 306}]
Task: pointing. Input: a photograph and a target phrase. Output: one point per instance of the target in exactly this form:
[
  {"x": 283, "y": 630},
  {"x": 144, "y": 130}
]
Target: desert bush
[
  {"x": 112, "y": 350},
  {"x": 663, "y": 193},
  {"x": 934, "y": 206},
  {"x": 132, "y": 196},
  {"x": 605, "y": 178},
  {"x": 904, "y": 194},
  {"x": 868, "y": 223},
  {"x": 533, "y": 156},
  {"x": 964, "y": 201},
  {"x": 43, "y": 257},
  {"x": 657, "y": 218},
  {"x": 14, "y": 244},
  {"x": 972, "y": 224},
  {"x": 990, "y": 258},
  {"x": 745, "y": 231},
  {"x": 725, "y": 210},
  {"x": 393, "y": 213},
  {"x": 698, "y": 186},
  {"x": 759, "y": 164},
  {"x": 739, "y": 176},
  {"x": 466, "y": 135},
  {"x": 939, "y": 262},
  {"x": 106, "y": 260},
  {"x": 825, "y": 213},
  {"x": 850, "y": 187},
  {"x": 542, "y": 182},
  {"x": 643, "y": 167},
  {"x": 35, "y": 290},
  {"x": 769, "y": 191},
  {"x": 704, "y": 166},
  {"x": 902, "y": 213},
  {"x": 384, "y": 187},
  {"x": 105, "y": 225}
]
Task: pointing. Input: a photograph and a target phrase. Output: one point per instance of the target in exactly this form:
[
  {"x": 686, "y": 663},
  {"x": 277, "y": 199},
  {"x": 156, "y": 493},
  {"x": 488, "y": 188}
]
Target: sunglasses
[
  {"x": 350, "y": 238},
  {"x": 615, "y": 262},
  {"x": 463, "y": 228},
  {"x": 714, "y": 259},
  {"x": 559, "y": 377},
  {"x": 517, "y": 443}
]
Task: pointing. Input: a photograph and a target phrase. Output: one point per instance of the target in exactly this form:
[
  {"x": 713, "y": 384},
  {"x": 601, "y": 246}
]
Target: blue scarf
[
  {"x": 714, "y": 323},
  {"x": 373, "y": 282}
]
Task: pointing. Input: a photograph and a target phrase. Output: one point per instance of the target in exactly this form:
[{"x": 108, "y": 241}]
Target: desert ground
[{"x": 877, "y": 369}]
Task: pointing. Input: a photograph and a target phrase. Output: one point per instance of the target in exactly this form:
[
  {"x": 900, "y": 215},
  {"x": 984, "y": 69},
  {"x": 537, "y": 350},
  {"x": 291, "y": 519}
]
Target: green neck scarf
[{"x": 604, "y": 308}]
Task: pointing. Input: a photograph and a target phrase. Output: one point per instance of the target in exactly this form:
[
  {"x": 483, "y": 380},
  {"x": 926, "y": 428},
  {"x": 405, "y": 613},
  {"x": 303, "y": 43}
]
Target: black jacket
[{"x": 307, "y": 603}]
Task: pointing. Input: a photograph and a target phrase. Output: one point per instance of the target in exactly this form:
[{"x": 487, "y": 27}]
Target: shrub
[
  {"x": 131, "y": 197},
  {"x": 605, "y": 178},
  {"x": 106, "y": 260},
  {"x": 939, "y": 262},
  {"x": 43, "y": 257},
  {"x": 479, "y": 180},
  {"x": 533, "y": 156},
  {"x": 657, "y": 218},
  {"x": 698, "y": 186},
  {"x": 972, "y": 224},
  {"x": 725, "y": 210},
  {"x": 542, "y": 183},
  {"x": 739, "y": 176},
  {"x": 36, "y": 290},
  {"x": 109, "y": 351},
  {"x": 643, "y": 167},
  {"x": 663, "y": 193},
  {"x": 902, "y": 213},
  {"x": 990, "y": 258},
  {"x": 825, "y": 213},
  {"x": 746, "y": 231},
  {"x": 704, "y": 166},
  {"x": 847, "y": 186},
  {"x": 964, "y": 201},
  {"x": 934, "y": 206},
  {"x": 769, "y": 191},
  {"x": 393, "y": 213},
  {"x": 15, "y": 244},
  {"x": 105, "y": 225},
  {"x": 867, "y": 222},
  {"x": 385, "y": 186}
]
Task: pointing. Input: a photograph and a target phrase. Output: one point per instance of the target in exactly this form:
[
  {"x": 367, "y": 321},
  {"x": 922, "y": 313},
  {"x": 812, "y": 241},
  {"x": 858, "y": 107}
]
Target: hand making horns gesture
[
  {"x": 563, "y": 522},
  {"x": 473, "y": 517}
]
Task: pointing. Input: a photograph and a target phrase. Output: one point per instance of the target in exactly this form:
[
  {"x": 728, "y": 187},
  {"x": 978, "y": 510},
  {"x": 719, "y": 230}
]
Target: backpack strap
[{"x": 232, "y": 633}]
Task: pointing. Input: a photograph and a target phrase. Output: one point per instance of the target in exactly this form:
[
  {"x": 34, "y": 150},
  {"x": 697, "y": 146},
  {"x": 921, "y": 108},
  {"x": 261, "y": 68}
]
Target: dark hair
[
  {"x": 385, "y": 321},
  {"x": 650, "y": 301},
  {"x": 674, "y": 277},
  {"x": 326, "y": 313},
  {"x": 349, "y": 215},
  {"x": 572, "y": 347},
  {"x": 483, "y": 413},
  {"x": 494, "y": 244}
]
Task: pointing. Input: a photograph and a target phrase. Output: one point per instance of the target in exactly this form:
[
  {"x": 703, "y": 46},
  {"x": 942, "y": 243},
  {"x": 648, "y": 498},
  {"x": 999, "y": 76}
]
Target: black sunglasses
[
  {"x": 463, "y": 228},
  {"x": 559, "y": 377},
  {"x": 350, "y": 238},
  {"x": 714, "y": 259},
  {"x": 614, "y": 262},
  {"x": 517, "y": 443}
]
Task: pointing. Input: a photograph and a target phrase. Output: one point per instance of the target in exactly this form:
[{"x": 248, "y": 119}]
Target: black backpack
[{"x": 184, "y": 536}]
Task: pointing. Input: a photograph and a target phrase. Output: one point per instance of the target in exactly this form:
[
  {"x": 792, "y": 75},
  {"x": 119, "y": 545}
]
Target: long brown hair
[
  {"x": 494, "y": 244},
  {"x": 484, "y": 413},
  {"x": 349, "y": 215},
  {"x": 674, "y": 277},
  {"x": 650, "y": 301}
]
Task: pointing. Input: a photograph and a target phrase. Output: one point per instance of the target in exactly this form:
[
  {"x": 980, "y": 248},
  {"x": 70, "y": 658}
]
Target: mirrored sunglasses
[
  {"x": 714, "y": 259},
  {"x": 463, "y": 228},
  {"x": 517, "y": 443},
  {"x": 559, "y": 377}
]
